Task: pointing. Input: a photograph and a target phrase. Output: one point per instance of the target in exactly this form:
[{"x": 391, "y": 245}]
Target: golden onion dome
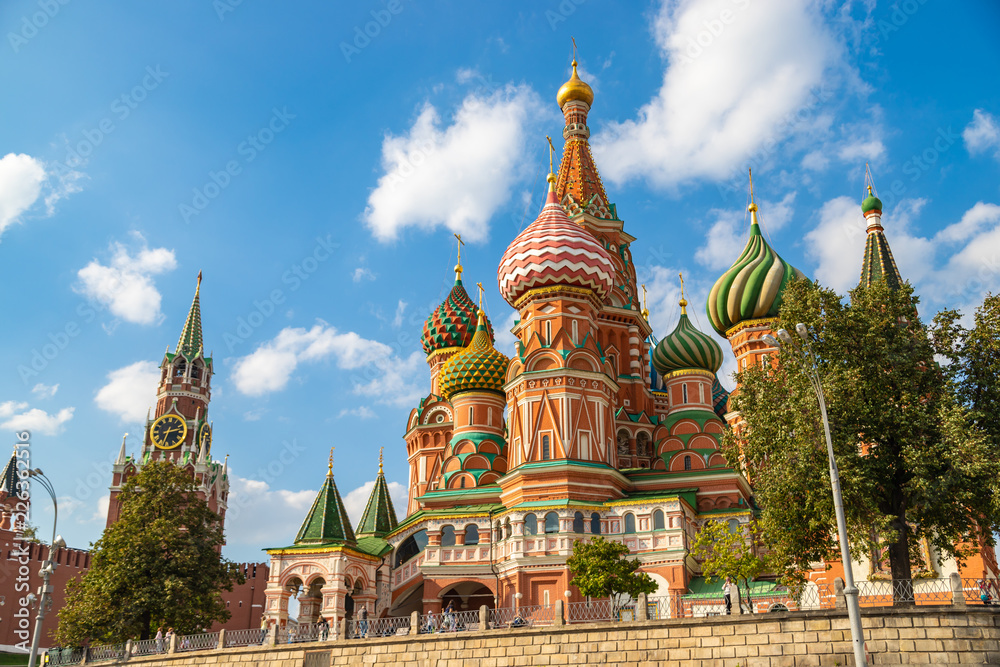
[
  {"x": 575, "y": 89},
  {"x": 478, "y": 367}
]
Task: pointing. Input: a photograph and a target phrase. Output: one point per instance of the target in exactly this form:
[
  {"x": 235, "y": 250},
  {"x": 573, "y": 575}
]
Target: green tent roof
[
  {"x": 379, "y": 518},
  {"x": 327, "y": 521},
  {"x": 700, "y": 589},
  {"x": 190, "y": 343}
]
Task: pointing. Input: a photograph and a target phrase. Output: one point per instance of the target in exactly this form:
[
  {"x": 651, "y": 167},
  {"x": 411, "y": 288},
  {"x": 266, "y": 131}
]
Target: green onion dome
[
  {"x": 452, "y": 324},
  {"x": 685, "y": 347},
  {"x": 751, "y": 288},
  {"x": 871, "y": 202},
  {"x": 479, "y": 367}
]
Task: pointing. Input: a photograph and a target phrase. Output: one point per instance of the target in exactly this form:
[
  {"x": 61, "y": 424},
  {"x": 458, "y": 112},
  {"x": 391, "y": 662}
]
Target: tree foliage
[
  {"x": 912, "y": 464},
  {"x": 729, "y": 554},
  {"x": 601, "y": 569},
  {"x": 158, "y": 565}
]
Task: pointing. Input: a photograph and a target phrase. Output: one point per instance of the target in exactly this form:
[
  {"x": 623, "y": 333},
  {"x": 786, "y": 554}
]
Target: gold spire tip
[
  {"x": 458, "y": 265},
  {"x": 197, "y": 288},
  {"x": 380, "y": 450},
  {"x": 480, "y": 286},
  {"x": 645, "y": 311},
  {"x": 683, "y": 302},
  {"x": 753, "y": 204},
  {"x": 329, "y": 469}
]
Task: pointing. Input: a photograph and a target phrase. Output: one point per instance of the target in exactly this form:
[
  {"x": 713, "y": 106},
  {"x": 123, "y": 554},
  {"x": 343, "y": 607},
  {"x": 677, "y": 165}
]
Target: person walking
[
  {"x": 324, "y": 630},
  {"x": 449, "y": 616},
  {"x": 159, "y": 639},
  {"x": 363, "y": 621},
  {"x": 727, "y": 590}
]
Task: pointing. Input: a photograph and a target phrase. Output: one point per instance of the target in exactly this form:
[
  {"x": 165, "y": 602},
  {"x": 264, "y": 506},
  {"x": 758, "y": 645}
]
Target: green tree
[
  {"x": 601, "y": 569},
  {"x": 158, "y": 565},
  {"x": 726, "y": 554},
  {"x": 912, "y": 465},
  {"x": 974, "y": 362}
]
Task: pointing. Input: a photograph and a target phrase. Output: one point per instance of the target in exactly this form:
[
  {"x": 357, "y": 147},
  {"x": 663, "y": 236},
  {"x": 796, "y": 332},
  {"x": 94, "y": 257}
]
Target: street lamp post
[
  {"x": 808, "y": 360},
  {"x": 48, "y": 567}
]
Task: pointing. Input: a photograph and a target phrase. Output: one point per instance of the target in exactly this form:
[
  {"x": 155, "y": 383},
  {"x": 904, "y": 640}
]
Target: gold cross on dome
[
  {"x": 480, "y": 286},
  {"x": 552, "y": 151}
]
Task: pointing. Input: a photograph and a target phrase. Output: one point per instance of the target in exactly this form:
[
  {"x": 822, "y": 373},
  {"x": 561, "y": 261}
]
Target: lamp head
[
  {"x": 771, "y": 340},
  {"x": 59, "y": 543},
  {"x": 784, "y": 336},
  {"x": 802, "y": 330}
]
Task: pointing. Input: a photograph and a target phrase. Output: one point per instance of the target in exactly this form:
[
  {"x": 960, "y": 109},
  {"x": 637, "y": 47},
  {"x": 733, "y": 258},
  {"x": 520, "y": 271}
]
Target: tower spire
[
  {"x": 120, "y": 461},
  {"x": 190, "y": 343},
  {"x": 683, "y": 302},
  {"x": 645, "y": 310},
  {"x": 878, "y": 263},
  {"x": 329, "y": 468},
  {"x": 458, "y": 264}
]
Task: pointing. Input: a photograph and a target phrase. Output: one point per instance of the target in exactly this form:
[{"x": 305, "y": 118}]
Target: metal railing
[
  {"x": 303, "y": 632},
  {"x": 65, "y": 656},
  {"x": 199, "y": 642},
  {"x": 388, "y": 626},
  {"x": 106, "y": 652},
  {"x": 453, "y": 621},
  {"x": 591, "y": 611},
  {"x": 148, "y": 647},
  {"x": 247, "y": 637},
  {"x": 523, "y": 616}
]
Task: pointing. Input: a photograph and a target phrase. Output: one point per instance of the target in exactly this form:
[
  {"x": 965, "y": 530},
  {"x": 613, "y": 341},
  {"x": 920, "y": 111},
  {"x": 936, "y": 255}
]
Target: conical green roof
[
  {"x": 879, "y": 263},
  {"x": 379, "y": 518},
  {"x": 327, "y": 521},
  {"x": 190, "y": 342}
]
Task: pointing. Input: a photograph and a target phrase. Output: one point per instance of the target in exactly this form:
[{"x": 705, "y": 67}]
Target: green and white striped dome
[
  {"x": 751, "y": 288},
  {"x": 686, "y": 347}
]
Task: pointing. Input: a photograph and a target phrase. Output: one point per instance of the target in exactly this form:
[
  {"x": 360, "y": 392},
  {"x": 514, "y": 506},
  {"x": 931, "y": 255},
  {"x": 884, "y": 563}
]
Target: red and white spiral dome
[{"x": 552, "y": 251}]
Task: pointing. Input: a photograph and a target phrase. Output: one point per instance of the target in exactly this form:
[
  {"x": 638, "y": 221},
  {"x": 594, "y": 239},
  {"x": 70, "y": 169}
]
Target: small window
[
  {"x": 447, "y": 536},
  {"x": 595, "y": 523},
  {"x": 461, "y": 482},
  {"x": 658, "y": 520},
  {"x": 734, "y": 526},
  {"x": 629, "y": 524},
  {"x": 472, "y": 415},
  {"x": 684, "y": 393},
  {"x": 578, "y": 522},
  {"x": 497, "y": 532},
  {"x": 574, "y": 327},
  {"x": 545, "y": 448},
  {"x": 551, "y": 522},
  {"x": 548, "y": 333},
  {"x": 530, "y": 524},
  {"x": 472, "y": 534},
  {"x": 687, "y": 462},
  {"x": 507, "y": 532}
]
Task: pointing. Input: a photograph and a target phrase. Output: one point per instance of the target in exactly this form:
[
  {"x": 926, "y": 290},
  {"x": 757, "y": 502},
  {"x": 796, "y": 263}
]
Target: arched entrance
[{"x": 467, "y": 595}]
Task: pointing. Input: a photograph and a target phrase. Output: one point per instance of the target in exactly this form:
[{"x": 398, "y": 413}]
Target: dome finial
[
  {"x": 380, "y": 450},
  {"x": 575, "y": 89},
  {"x": 871, "y": 202},
  {"x": 753, "y": 204},
  {"x": 551, "y": 178},
  {"x": 329, "y": 468},
  {"x": 458, "y": 264},
  {"x": 683, "y": 302},
  {"x": 645, "y": 310}
]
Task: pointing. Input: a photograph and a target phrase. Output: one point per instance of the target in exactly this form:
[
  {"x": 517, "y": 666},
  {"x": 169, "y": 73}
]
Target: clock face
[
  {"x": 168, "y": 432},
  {"x": 205, "y": 436}
]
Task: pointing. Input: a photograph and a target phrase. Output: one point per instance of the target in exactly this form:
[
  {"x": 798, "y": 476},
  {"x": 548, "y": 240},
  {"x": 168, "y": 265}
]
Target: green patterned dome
[
  {"x": 452, "y": 323},
  {"x": 479, "y": 367},
  {"x": 871, "y": 202},
  {"x": 685, "y": 347},
  {"x": 751, "y": 288}
]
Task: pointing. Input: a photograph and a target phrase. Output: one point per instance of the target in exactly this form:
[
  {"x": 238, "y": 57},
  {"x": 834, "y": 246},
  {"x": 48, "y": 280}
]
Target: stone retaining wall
[{"x": 922, "y": 635}]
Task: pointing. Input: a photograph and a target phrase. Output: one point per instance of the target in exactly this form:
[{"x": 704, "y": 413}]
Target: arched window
[
  {"x": 472, "y": 534},
  {"x": 629, "y": 524},
  {"x": 687, "y": 462},
  {"x": 461, "y": 482},
  {"x": 179, "y": 369},
  {"x": 551, "y": 522},
  {"x": 447, "y": 536},
  {"x": 507, "y": 532},
  {"x": 530, "y": 524},
  {"x": 595, "y": 523},
  {"x": 497, "y": 532},
  {"x": 734, "y": 526},
  {"x": 578, "y": 522},
  {"x": 411, "y": 546},
  {"x": 545, "y": 448},
  {"x": 658, "y": 520}
]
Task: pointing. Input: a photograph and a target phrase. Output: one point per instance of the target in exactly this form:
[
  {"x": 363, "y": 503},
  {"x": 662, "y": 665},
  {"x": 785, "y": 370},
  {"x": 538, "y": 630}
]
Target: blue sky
[{"x": 316, "y": 175}]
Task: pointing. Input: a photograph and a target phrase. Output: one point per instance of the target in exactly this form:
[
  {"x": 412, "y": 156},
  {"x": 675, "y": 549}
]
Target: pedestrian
[
  {"x": 363, "y": 624},
  {"x": 324, "y": 629},
  {"x": 159, "y": 640},
  {"x": 727, "y": 589},
  {"x": 984, "y": 592},
  {"x": 449, "y": 616}
]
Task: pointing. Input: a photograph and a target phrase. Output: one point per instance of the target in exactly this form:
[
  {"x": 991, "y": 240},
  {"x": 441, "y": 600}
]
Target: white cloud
[
  {"x": 21, "y": 179},
  {"x": 982, "y": 134},
  {"x": 858, "y": 151},
  {"x": 454, "y": 175},
  {"x": 130, "y": 391},
  {"x": 728, "y": 234},
  {"x": 356, "y": 500},
  {"x": 397, "y": 319},
  {"x": 125, "y": 285},
  {"x": 362, "y": 412},
  {"x": 44, "y": 391},
  {"x": 378, "y": 372},
  {"x": 34, "y": 420},
  {"x": 362, "y": 273},
  {"x": 254, "y": 511},
  {"x": 727, "y": 91}
]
